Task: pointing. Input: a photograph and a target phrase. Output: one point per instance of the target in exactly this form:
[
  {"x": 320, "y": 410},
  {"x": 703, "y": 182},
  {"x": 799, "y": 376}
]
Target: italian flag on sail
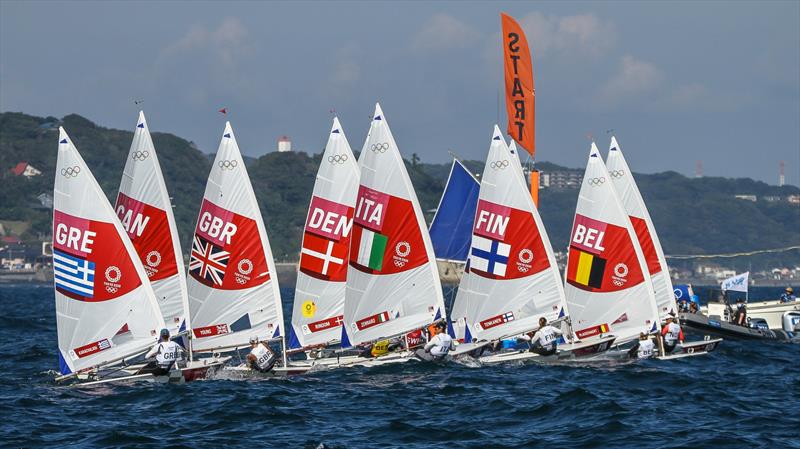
[{"x": 371, "y": 247}]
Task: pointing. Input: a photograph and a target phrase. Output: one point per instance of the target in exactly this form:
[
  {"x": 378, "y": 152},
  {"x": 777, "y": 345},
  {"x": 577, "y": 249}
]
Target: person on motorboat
[
  {"x": 438, "y": 346},
  {"x": 788, "y": 295},
  {"x": 672, "y": 334},
  {"x": 545, "y": 340},
  {"x": 166, "y": 353},
  {"x": 261, "y": 358},
  {"x": 740, "y": 316},
  {"x": 643, "y": 349},
  {"x": 683, "y": 306},
  {"x": 693, "y": 308}
]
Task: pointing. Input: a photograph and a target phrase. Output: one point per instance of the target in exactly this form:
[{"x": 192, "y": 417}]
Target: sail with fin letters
[
  {"x": 105, "y": 307},
  {"x": 512, "y": 278},
  {"x": 393, "y": 282},
  {"x": 233, "y": 291},
  {"x": 606, "y": 284},
  {"x": 631, "y": 198},
  {"x": 144, "y": 208},
  {"x": 318, "y": 308}
]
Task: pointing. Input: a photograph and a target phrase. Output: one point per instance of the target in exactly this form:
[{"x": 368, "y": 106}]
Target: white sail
[
  {"x": 144, "y": 208},
  {"x": 392, "y": 282},
  {"x": 105, "y": 307},
  {"x": 318, "y": 308},
  {"x": 606, "y": 283},
  {"x": 516, "y": 158},
  {"x": 512, "y": 278},
  {"x": 233, "y": 291},
  {"x": 631, "y": 198}
]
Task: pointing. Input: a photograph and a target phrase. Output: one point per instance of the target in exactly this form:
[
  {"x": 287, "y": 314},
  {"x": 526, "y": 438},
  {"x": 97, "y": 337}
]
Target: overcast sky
[{"x": 679, "y": 82}]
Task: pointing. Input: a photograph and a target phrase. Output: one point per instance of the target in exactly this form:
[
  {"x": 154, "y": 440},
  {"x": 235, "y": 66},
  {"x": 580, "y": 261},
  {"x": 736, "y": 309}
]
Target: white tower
[{"x": 284, "y": 144}]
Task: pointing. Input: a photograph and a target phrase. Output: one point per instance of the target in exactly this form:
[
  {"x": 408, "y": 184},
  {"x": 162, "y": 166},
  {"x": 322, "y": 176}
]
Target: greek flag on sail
[{"x": 73, "y": 274}]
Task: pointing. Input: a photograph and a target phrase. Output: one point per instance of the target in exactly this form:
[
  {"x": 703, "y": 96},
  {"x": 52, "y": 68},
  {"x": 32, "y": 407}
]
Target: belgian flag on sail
[{"x": 585, "y": 268}]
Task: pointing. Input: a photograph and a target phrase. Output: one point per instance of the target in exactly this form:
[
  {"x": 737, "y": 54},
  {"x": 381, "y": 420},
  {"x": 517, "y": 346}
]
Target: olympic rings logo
[
  {"x": 403, "y": 249},
  {"x": 153, "y": 259},
  {"x": 227, "y": 165},
  {"x": 596, "y": 181},
  {"x": 113, "y": 274},
  {"x": 337, "y": 159},
  {"x": 70, "y": 172},
  {"x": 140, "y": 155},
  {"x": 617, "y": 173},
  {"x": 499, "y": 165},
  {"x": 379, "y": 147},
  {"x": 526, "y": 256}
]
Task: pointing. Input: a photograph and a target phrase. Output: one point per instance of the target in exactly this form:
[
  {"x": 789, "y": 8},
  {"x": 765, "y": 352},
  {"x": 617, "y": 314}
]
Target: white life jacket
[
  {"x": 441, "y": 345},
  {"x": 646, "y": 348},
  {"x": 168, "y": 353},
  {"x": 673, "y": 332},
  {"x": 263, "y": 357},
  {"x": 547, "y": 337}
]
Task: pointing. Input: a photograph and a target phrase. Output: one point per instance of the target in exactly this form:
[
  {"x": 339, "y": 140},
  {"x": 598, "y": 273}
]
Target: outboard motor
[
  {"x": 791, "y": 321},
  {"x": 758, "y": 323}
]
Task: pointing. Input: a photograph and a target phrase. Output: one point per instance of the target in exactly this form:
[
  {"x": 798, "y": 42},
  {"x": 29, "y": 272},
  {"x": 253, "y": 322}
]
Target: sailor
[
  {"x": 166, "y": 352},
  {"x": 643, "y": 349},
  {"x": 740, "y": 316},
  {"x": 545, "y": 340},
  {"x": 788, "y": 295},
  {"x": 438, "y": 346},
  {"x": 672, "y": 334},
  {"x": 261, "y": 358}
]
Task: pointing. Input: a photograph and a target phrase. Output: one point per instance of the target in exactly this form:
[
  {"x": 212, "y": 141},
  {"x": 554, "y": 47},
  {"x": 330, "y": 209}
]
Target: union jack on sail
[{"x": 208, "y": 262}]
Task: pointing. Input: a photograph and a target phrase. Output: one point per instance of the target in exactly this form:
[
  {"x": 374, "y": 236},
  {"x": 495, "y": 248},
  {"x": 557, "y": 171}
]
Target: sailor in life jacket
[
  {"x": 545, "y": 340},
  {"x": 643, "y": 349},
  {"x": 672, "y": 334},
  {"x": 261, "y": 357},
  {"x": 166, "y": 353},
  {"x": 438, "y": 346}
]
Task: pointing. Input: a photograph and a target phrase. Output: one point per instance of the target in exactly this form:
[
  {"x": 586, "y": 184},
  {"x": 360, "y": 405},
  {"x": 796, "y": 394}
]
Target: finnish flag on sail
[
  {"x": 73, "y": 274},
  {"x": 736, "y": 283},
  {"x": 489, "y": 256}
]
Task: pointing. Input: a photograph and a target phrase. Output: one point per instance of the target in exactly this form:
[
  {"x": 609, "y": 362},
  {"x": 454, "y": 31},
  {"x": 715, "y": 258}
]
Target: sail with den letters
[
  {"x": 512, "y": 279},
  {"x": 233, "y": 291},
  {"x": 631, "y": 198},
  {"x": 393, "y": 282},
  {"x": 145, "y": 210},
  {"x": 105, "y": 307},
  {"x": 606, "y": 286},
  {"x": 318, "y": 308}
]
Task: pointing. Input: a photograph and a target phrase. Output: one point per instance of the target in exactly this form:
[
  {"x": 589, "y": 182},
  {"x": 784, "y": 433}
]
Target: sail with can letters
[
  {"x": 318, "y": 308},
  {"x": 105, "y": 307},
  {"x": 144, "y": 208},
  {"x": 631, "y": 198},
  {"x": 512, "y": 278},
  {"x": 233, "y": 291},
  {"x": 392, "y": 282},
  {"x": 606, "y": 284}
]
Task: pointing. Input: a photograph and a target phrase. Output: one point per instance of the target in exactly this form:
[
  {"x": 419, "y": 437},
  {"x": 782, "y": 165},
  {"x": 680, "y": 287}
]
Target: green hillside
[{"x": 691, "y": 215}]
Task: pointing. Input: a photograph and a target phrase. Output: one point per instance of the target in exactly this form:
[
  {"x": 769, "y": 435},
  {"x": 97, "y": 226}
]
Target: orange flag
[{"x": 519, "y": 84}]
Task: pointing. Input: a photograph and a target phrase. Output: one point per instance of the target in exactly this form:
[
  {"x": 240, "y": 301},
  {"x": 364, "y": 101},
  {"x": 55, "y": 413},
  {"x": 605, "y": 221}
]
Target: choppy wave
[{"x": 744, "y": 395}]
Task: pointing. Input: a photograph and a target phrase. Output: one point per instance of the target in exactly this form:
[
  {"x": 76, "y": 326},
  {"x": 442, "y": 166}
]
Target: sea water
[{"x": 744, "y": 395}]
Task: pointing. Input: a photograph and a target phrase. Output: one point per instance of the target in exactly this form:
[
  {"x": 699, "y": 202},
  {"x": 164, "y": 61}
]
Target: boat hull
[
  {"x": 705, "y": 325},
  {"x": 770, "y": 311},
  {"x": 565, "y": 352}
]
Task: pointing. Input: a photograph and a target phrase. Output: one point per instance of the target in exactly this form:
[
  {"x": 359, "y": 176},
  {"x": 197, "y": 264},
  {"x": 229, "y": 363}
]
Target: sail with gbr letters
[
  {"x": 512, "y": 278},
  {"x": 606, "y": 284},
  {"x": 392, "y": 282},
  {"x": 631, "y": 198},
  {"x": 145, "y": 210},
  {"x": 105, "y": 307},
  {"x": 319, "y": 294},
  {"x": 233, "y": 291}
]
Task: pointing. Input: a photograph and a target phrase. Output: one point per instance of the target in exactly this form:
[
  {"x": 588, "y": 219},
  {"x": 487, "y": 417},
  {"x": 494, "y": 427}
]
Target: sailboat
[
  {"x": 607, "y": 287},
  {"x": 513, "y": 279},
  {"x": 233, "y": 291},
  {"x": 106, "y": 310},
  {"x": 625, "y": 185},
  {"x": 145, "y": 211},
  {"x": 393, "y": 282},
  {"x": 318, "y": 309}
]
